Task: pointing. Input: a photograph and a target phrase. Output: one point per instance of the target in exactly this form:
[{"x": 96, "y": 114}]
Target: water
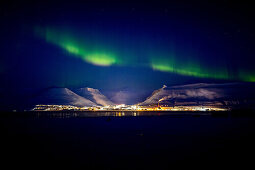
[{"x": 158, "y": 140}]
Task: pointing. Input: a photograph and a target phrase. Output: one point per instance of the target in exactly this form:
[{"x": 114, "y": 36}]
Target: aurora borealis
[
  {"x": 79, "y": 48},
  {"x": 100, "y": 55},
  {"x": 125, "y": 46}
]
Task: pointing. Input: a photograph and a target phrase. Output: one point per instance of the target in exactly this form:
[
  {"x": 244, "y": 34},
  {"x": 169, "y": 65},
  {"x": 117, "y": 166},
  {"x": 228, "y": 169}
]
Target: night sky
[{"x": 117, "y": 45}]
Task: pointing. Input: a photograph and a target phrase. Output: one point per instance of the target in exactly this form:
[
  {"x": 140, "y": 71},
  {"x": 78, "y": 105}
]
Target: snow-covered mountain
[
  {"x": 203, "y": 94},
  {"x": 94, "y": 95},
  {"x": 61, "y": 96}
]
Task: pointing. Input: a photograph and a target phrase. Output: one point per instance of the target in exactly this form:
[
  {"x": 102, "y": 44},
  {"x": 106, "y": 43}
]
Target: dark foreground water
[{"x": 158, "y": 140}]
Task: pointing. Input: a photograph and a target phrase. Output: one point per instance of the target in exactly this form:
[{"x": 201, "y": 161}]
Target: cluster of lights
[{"x": 123, "y": 107}]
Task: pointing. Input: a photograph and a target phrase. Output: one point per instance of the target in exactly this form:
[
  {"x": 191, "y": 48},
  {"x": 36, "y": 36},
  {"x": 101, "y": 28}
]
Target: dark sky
[{"x": 118, "y": 45}]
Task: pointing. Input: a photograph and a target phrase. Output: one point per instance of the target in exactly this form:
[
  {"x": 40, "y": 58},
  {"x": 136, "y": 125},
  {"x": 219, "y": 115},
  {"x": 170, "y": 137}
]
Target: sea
[{"x": 127, "y": 140}]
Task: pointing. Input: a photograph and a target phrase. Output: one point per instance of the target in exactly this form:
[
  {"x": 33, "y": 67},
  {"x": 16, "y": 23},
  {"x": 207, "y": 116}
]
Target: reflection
[{"x": 80, "y": 114}]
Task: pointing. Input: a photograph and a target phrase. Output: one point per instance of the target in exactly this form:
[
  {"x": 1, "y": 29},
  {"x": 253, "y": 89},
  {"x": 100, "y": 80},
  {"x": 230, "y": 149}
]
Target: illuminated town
[{"x": 123, "y": 107}]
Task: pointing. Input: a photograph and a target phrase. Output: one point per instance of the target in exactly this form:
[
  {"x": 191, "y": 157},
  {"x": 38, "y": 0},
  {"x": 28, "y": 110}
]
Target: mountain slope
[
  {"x": 94, "y": 95},
  {"x": 231, "y": 94},
  {"x": 61, "y": 96}
]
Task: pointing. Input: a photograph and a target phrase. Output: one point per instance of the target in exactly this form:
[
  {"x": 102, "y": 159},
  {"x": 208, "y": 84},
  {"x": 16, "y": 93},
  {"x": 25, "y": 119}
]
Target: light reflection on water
[{"x": 114, "y": 114}]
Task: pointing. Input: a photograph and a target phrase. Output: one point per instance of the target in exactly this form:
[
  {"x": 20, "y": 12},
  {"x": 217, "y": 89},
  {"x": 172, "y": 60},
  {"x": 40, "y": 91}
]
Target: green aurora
[
  {"x": 188, "y": 70},
  {"x": 78, "y": 48},
  {"x": 100, "y": 54}
]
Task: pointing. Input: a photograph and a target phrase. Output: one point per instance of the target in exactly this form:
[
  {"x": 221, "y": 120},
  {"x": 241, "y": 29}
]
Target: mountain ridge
[
  {"x": 61, "y": 96},
  {"x": 94, "y": 95},
  {"x": 225, "y": 94}
]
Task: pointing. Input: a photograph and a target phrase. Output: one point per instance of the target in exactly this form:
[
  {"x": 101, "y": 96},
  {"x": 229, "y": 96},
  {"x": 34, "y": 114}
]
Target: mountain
[
  {"x": 94, "y": 95},
  {"x": 61, "y": 96},
  {"x": 228, "y": 94},
  {"x": 156, "y": 96}
]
